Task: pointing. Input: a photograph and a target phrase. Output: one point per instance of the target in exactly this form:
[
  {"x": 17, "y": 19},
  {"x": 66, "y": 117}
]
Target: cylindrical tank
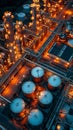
[
  {"x": 37, "y": 74},
  {"x": 45, "y": 98},
  {"x": 54, "y": 82},
  {"x": 26, "y": 8},
  {"x": 35, "y": 118},
  {"x": 17, "y": 105},
  {"x": 20, "y": 16},
  {"x": 28, "y": 88}
]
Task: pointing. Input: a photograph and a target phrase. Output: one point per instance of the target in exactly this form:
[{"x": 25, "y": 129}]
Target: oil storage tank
[
  {"x": 28, "y": 88},
  {"x": 20, "y": 16},
  {"x": 17, "y": 106},
  {"x": 54, "y": 82},
  {"x": 35, "y": 118},
  {"x": 26, "y": 8},
  {"x": 45, "y": 98},
  {"x": 37, "y": 74}
]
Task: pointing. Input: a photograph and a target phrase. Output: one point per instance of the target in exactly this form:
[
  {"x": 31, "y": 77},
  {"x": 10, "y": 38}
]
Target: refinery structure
[{"x": 36, "y": 67}]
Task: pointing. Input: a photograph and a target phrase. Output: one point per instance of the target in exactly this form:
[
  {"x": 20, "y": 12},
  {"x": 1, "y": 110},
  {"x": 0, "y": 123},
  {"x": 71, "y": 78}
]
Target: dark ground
[{"x": 11, "y": 5}]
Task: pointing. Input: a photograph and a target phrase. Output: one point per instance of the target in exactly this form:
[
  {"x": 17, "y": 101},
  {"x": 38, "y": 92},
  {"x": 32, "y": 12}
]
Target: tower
[
  {"x": 9, "y": 37},
  {"x": 36, "y": 16},
  {"x": 18, "y": 37}
]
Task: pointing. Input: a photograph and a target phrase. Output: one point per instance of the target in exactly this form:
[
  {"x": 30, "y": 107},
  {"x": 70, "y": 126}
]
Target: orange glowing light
[
  {"x": 58, "y": 127},
  {"x": 61, "y": 8},
  {"x": 35, "y": 1},
  {"x": 0, "y": 56},
  {"x": 7, "y": 25},
  {"x": 56, "y": 60},
  {"x": 7, "y": 92},
  {"x": 67, "y": 65},
  {"x": 62, "y": 115},
  {"x": 69, "y": 12},
  {"x": 70, "y": 94},
  {"x": 32, "y": 18}
]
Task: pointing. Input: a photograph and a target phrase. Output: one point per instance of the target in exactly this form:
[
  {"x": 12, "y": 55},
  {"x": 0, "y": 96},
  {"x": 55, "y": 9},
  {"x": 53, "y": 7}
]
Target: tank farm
[{"x": 36, "y": 66}]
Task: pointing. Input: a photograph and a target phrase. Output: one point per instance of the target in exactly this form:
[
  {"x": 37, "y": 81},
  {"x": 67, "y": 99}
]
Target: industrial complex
[{"x": 36, "y": 66}]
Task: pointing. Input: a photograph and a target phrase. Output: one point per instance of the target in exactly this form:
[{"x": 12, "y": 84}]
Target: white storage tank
[
  {"x": 28, "y": 88},
  {"x": 37, "y": 74},
  {"x": 35, "y": 118},
  {"x": 54, "y": 82},
  {"x": 17, "y": 105},
  {"x": 26, "y": 8},
  {"x": 21, "y": 16},
  {"x": 45, "y": 98}
]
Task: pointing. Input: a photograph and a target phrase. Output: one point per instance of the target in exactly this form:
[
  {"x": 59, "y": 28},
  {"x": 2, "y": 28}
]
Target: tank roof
[
  {"x": 21, "y": 14},
  {"x": 35, "y": 117},
  {"x": 45, "y": 97},
  {"x": 37, "y": 72},
  {"x": 17, "y": 105},
  {"x": 26, "y": 6},
  {"x": 28, "y": 87},
  {"x": 54, "y": 80}
]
